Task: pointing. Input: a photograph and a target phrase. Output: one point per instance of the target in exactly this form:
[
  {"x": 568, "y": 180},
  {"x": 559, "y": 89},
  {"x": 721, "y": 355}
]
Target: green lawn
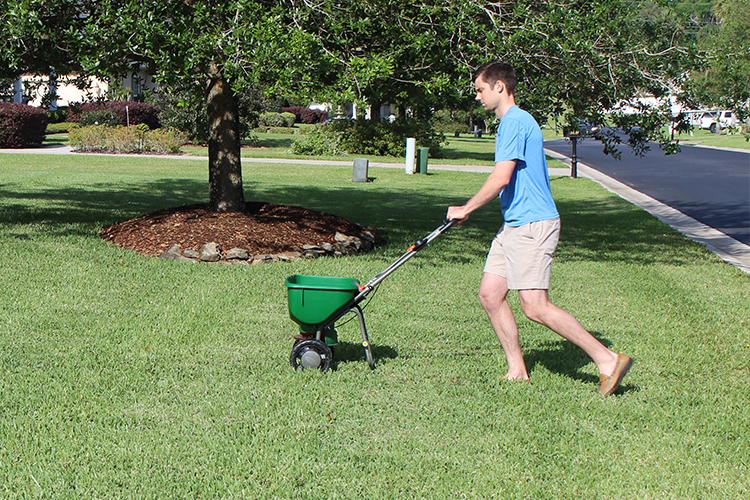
[
  {"x": 130, "y": 377},
  {"x": 706, "y": 138}
]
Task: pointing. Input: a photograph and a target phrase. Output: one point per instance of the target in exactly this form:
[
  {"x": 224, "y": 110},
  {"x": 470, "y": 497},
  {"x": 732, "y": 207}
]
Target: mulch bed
[{"x": 264, "y": 228}]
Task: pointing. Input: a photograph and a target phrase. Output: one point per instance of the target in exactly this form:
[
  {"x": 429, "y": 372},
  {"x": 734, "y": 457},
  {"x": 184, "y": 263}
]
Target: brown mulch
[{"x": 264, "y": 228}]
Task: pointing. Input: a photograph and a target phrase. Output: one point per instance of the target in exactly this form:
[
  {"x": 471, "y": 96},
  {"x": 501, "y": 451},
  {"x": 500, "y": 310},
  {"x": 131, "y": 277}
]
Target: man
[{"x": 521, "y": 254}]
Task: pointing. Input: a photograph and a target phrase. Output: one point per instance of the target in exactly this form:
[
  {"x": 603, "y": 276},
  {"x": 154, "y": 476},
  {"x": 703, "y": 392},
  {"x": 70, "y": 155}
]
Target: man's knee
[
  {"x": 492, "y": 291},
  {"x": 534, "y": 306}
]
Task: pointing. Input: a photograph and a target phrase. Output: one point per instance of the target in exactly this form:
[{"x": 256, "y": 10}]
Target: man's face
[{"x": 487, "y": 94}]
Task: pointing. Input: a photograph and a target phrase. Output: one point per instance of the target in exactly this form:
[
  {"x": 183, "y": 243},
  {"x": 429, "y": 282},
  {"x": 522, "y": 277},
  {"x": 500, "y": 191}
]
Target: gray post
[
  {"x": 360, "y": 169},
  {"x": 18, "y": 90}
]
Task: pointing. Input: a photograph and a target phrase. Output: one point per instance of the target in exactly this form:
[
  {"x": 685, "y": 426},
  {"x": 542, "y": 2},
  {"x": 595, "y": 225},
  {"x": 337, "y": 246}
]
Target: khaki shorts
[{"x": 523, "y": 254}]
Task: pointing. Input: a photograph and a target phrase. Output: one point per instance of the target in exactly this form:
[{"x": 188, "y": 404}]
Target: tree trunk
[{"x": 224, "y": 167}]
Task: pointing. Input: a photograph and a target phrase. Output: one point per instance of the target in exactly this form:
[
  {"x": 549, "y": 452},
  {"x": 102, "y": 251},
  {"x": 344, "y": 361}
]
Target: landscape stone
[
  {"x": 237, "y": 253},
  {"x": 210, "y": 252},
  {"x": 344, "y": 244},
  {"x": 289, "y": 256},
  {"x": 174, "y": 253}
]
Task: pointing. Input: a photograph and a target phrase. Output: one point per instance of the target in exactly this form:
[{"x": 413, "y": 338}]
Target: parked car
[
  {"x": 706, "y": 120},
  {"x": 590, "y": 130},
  {"x": 713, "y": 120}
]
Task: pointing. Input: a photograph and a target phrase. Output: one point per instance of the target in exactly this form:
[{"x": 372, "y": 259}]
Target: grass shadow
[
  {"x": 74, "y": 209},
  {"x": 347, "y": 352},
  {"x": 565, "y": 358}
]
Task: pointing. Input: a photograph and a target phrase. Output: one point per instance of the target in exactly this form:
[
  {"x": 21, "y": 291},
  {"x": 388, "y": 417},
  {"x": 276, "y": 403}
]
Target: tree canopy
[
  {"x": 725, "y": 79},
  {"x": 575, "y": 58}
]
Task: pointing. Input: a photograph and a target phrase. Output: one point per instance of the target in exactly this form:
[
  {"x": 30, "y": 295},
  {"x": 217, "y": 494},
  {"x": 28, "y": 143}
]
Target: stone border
[{"x": 211, "y": 252}]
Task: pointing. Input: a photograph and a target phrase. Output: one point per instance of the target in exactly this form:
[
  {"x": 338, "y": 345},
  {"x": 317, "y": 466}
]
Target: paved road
[{"x": 710, "y": 185}]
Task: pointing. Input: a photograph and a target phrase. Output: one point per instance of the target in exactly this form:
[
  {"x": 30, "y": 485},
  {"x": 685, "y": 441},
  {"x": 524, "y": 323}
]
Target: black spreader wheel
[{"x": 311, "y": 354}]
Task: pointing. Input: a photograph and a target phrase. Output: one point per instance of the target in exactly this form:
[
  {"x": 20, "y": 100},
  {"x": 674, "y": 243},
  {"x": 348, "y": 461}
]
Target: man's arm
[{"x": 497, "y": 180}]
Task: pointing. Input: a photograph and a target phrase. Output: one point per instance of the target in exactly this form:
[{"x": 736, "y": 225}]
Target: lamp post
[{"x": 573, "y": 136}]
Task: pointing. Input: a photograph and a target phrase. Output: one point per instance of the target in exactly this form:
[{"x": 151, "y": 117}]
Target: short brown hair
[{"x": 493, "y": 71}]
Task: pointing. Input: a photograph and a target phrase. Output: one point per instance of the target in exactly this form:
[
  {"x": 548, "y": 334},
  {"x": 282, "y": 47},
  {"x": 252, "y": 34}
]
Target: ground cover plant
[{"x": 123, "y": 376}]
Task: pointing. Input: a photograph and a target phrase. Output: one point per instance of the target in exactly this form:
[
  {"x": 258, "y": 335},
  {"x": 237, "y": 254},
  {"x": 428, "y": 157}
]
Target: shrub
[
  {"x": 289, "y": 119},
  {"x": 280, "y": 130},
  {"x": 383, "y": 138},
  {"x": 136, "y": 139},
  {"x": 165, "y": 140},
  {"x": 306, "y": 115},
  {"x": 59, "y": 128},
  {"x": 59, "y": 115},
  {"x": 99, "y": 117},
  {"x": 21, "y": 125},
  {"x": 321, "y": 140},
  {"x": 450, "y": 122},
  {"x": 310, "y": 116},
  {"x": 295, "y": 110},
  {"x": 272, "y": 120},
  {"x": 132, "y": 112}
]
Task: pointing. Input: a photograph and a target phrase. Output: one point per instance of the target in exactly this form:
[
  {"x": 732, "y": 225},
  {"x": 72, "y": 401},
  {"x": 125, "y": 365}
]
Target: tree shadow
[
  {"x": 601, "y": 229},
  {"x": 73, "y": 210}
]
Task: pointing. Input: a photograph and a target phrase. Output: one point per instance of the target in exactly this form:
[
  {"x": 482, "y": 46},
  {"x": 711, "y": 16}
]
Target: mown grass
[
  {"x": 706, "y": 138},
  {"x": 128, "y": 377}
]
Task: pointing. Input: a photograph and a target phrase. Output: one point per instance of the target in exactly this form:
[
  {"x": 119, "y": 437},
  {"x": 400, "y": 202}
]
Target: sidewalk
[
  {"x": 727, "y": 248},
  {"x": 64, "y": 150}
]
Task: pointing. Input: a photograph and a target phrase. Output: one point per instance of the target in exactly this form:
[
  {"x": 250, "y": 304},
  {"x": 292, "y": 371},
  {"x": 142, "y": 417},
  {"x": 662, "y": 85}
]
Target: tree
[
  {"x": 219, "y": 45},
  {"x": 579, "y": 58},
  {"x": 575, "y": 57},
  {"x": 33, "y": 40},
  {"x": 725, "y": 78},
  {"x": 35, "y": 36}
]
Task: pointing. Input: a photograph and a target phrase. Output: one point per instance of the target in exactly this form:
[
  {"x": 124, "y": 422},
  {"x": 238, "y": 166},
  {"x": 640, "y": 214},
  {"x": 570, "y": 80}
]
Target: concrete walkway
[{"x": 727, "y": 248}]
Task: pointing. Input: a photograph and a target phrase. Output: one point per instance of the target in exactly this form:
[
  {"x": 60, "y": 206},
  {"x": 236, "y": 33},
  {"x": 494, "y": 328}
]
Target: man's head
[
  {"x": 495, "y": 71},
  {"x": 495, "y": 84}
]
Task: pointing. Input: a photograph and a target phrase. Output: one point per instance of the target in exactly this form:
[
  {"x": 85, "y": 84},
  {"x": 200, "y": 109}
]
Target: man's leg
[
  {"x": 537, "y": 307},
  {"x": 493, "y": 291}
]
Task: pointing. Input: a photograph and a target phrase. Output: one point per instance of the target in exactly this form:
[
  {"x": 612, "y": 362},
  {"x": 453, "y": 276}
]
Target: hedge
[
  {"x": 21, "y": 125},
  {"x": 306, "y": 115},
  {"x": 134, "y": 139},
  {"x": 138, "y": 112}
]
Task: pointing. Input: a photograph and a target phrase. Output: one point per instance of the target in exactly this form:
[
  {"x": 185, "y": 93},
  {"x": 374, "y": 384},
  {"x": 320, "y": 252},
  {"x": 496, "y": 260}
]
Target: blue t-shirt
[{"x": 527, "y": 197}]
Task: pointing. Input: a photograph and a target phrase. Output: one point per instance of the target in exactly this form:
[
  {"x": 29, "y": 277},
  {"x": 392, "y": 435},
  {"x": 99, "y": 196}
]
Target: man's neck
[{"x": 507, "y": 102}]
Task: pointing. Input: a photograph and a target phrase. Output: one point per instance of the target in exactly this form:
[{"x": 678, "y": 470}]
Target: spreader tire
[{"x": 311, "y": 354}]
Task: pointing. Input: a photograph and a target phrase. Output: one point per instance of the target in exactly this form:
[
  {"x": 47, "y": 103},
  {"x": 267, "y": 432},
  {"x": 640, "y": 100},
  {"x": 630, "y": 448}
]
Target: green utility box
[{"x": 422, "y": 160}]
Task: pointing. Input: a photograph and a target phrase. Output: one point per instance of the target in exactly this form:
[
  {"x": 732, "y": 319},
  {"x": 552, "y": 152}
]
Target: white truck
[{"x": 716, "y": 120}]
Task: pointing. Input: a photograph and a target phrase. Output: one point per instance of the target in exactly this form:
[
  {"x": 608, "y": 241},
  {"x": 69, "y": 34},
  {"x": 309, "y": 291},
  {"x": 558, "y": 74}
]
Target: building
[{"x": 63, "y": 91}]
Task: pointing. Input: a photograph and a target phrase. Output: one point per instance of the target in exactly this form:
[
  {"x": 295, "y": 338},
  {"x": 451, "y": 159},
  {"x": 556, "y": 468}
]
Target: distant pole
[
  {"x": 18, "y": 90},
  {"x": 411, "y": 149},
  {"x": 574, "y": 159}
]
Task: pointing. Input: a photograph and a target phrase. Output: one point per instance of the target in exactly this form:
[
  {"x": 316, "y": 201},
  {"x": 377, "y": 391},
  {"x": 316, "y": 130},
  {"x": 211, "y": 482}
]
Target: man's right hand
[{"x": 459, "y": 213}]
